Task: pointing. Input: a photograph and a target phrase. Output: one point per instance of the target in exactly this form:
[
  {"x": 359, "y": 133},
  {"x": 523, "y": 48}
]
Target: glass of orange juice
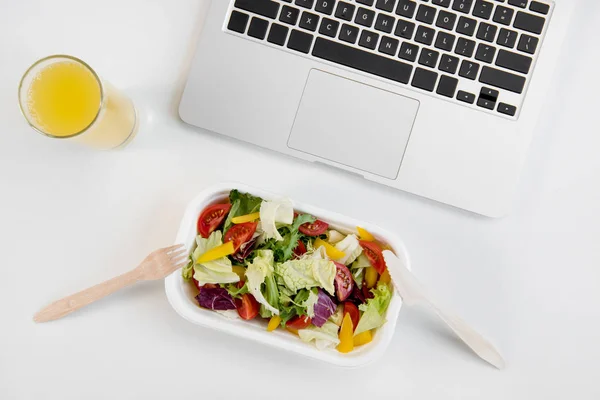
[{"x": 62, "y": 97}]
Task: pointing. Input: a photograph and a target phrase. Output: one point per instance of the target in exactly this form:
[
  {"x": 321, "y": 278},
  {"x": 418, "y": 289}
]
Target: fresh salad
[{"x": 260, "y": 258}]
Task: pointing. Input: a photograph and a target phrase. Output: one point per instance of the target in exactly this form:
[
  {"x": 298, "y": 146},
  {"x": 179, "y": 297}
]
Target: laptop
[{"x": 438, "y": 98}]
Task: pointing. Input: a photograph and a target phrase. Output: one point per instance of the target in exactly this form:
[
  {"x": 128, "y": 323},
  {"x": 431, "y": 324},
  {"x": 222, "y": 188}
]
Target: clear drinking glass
[{"x": 64, "y": 98}]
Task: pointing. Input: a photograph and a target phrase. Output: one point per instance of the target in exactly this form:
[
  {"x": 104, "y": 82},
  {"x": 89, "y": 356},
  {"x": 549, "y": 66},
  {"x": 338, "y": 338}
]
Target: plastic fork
[{"x": 158, "y": 265}]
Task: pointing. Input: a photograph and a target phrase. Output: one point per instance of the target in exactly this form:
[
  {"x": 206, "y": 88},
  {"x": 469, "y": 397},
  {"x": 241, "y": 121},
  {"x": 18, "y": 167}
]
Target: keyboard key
[
  {"x": 238, "y": 22},
  {"x": 503, "y": 15},
  {"x": 502, "y": 79},
  {"x": 466, "y": 26},
  {"x": 345, "y": 11},
  {"x": 529, "y": 22},
  {"x": 386, "y": 5},
  {"x": 514, "y": 61},
  {"x": 325, "y": 6},
  {"x": 462, "y": 5},
  {"x": 278, "y": 34},
  {"x": 289, "y": 15},
  {"x": 465, "y": 97},
  {"x": 303, "y": 3},
  {"x": 443, "y": 3},
  {"x": 448, "y": 64},
  {"x": 349, "y": 33},
  {"x": 489, "y": 94},
  {"x": 366, "y": 2},
  {"x": 483, "y": 9},
  {"x": 329, "y": 27},
  {"x": 485, "y": 53},
  {"x": 309, "y": 21},
  {"x": 258, "y": 28},
  {"x": 404, "y": 29},
  {"x": 408, "y": 51},
  {"x": 300, "y": 41},
  {"x": 266, "y": 8},
  {"x": 362, "y": 60},
  {"x": 539, "y": 7},
  {"x": 507, "y": 109},
  {"x": 424, "y": 79},
  {"x": 406, "y": 8},
  {"x": 424, "y": 35},
  {"x": 447, "y": 86},
  {"x": 446, "y": 20},
  {"x": 426, "y": 14},
  {"x": 528, "y": 44},
  {"x": 368, "y": 39},
  {"x": 429, "y": 58},
  {"x": 487, "y": 32},
  {"x": 507, "y": 38},
  {"x": 465, "y": 47},
  {"x": 445, "y": 41},
  {"x": 488, "y": 104},
  {"x": 364, "y": 17},
  {"x": 388, "y": 45},
  {"x": 385, "y": 23},
  {"x": 518, "y": 3},
  {"x": 468, "y": 69}
]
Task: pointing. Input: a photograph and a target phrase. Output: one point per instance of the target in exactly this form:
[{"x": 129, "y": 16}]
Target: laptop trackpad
[{"x": 353, "y": 124}]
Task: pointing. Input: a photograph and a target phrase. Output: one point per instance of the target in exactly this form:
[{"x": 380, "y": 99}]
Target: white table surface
[{"x": 71, "y": 216}]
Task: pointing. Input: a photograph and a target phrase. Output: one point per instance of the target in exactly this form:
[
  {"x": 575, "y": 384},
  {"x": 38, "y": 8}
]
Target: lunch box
[{"x": 181, "y": 293}]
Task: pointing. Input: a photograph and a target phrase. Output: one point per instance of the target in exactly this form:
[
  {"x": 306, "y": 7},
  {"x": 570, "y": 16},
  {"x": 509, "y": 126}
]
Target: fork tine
[
  {"x": 177, "y": 261},
  {"x": 177, "y": 254},
  {"x": 172, "y": 248},
  {"x": 180, "y": 264}
]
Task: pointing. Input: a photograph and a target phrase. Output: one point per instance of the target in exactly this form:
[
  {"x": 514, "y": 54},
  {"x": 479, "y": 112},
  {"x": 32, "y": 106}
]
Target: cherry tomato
[
  {"x": 343, "y": 281},
  {"x": 247, "y": 306},
  {"x": 211, "y": 218},
  {"x": 374, "y": 254},
  {"x": 300, "y": 249},
  {"x": 298, "y": 322},
  {"x": 240, "y": 234},
  {"x": 206, "y": 285},
  {"x": 350, "y": 308},
  {"x": 315, "y": 229}
]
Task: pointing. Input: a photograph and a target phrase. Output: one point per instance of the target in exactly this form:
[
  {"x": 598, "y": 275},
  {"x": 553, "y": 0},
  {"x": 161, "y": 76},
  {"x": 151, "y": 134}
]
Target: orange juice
[{"x": 62, "y": 97}]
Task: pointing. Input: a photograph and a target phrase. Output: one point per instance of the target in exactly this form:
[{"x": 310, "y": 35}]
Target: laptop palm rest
[{"x": 353, "y": 124}]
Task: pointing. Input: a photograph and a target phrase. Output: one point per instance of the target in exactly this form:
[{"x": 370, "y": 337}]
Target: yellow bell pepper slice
[
  {"x": 274, "y": 322},
  {"x": 246, "y": 218},
  {"x": 294, "y": 331},
  {"x": 385, "y": 277},
  {"x": 240, "y": 271},
  {"x": 363, "y": 338},
  {"x": 331, "y": 251},
  {"x": 370, "y": 277},
  {"x": 365, "y": 234},
  {"x": 215, "y": 253},
  {"x": 346, "y": 335}
]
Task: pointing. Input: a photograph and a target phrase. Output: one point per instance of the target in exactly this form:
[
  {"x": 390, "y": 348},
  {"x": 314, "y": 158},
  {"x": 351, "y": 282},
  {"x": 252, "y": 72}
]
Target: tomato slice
[
  {"x": 247, "y": 306},
  {"x": 297, "y": 322},
  {"x": 350, "y": 308},
  {"x": 343, "y": 281},
  {"x": 240, "y": 234},
  {"x": 374, "y": 254},
  {"x": 211, "y": 218},
  {"x": 300, "y": 249},
  {"x": 315, "y": 229}
]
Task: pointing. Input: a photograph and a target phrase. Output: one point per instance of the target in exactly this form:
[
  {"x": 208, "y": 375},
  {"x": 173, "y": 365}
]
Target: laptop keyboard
[{"x": 477, "y": 53}]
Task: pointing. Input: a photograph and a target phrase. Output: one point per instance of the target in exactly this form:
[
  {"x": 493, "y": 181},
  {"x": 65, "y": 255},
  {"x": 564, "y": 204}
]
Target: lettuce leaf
[
  {"x": 241, "y": 204},
  {"x": 216, "y": 271},
  {"x": 306, "y": 274},
  {"x": 271, "y": 212},
  {"x": 357, "y": 268},
  {"x": 293, "y": 307},
  {"x": 284, "y": 250},
  {"x": 351, "y": 248},
  {"x": 374, "y": 309},
  {"x": 324, "y": 337},
  {"x": 257, "y": 273},
  {"x": 271, "y": 295}
]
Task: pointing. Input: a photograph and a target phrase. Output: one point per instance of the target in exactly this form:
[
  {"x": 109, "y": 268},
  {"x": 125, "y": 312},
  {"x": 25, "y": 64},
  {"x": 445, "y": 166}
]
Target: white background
[{"x": 71, "y": 216}]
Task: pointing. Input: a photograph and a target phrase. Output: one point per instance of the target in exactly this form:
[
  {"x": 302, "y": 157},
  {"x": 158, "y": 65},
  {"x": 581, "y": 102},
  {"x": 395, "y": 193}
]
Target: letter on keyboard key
[
  {"x": 406, "y": 8},
  {"x": 325, "y": 6},
  {"x": 424, "y": 79},
  {"x": 502, "y": 79},
  {"x": 266, "y": 8},
  {"x": 514, "y": 61},
  {"x": 362, "y": 60},
  {"x": 529, "y": 23}
]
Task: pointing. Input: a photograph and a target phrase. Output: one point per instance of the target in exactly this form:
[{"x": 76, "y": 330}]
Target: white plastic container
[{"x": 181, "y": 294}]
